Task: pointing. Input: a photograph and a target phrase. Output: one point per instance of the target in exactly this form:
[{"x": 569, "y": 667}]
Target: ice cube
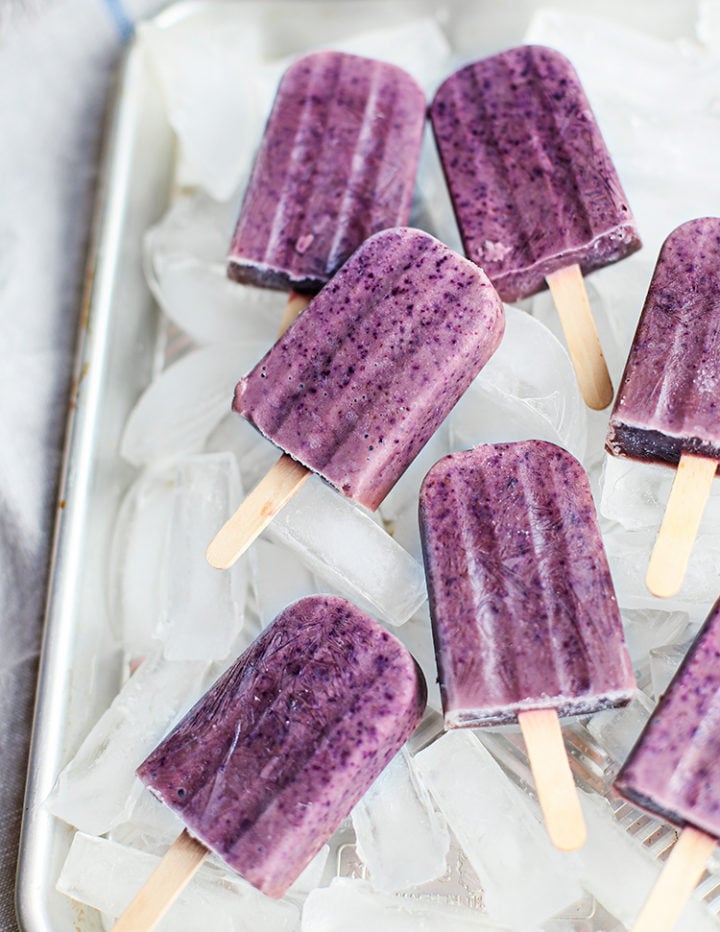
[
  {"x": 524, "y": 879},
  {"x": 617, "y": 730},
  {"x": 106, "y": 875},
  {"x": 280, "y": 579},
  {"x": 185, "y": 268},
  {"x": 98, "y": 788},
  {"x": 664, "y": 662},
  {"x": 137, "y": 561},
  {"x": 635, "y": 494},
  {"x": 179, "y": 410},
  {"x": 204, "y": 609},
  {"x": 342, "y": 544},
  {"x": 527, "y": 389},
  {"x": 218, "y": 93},
  {"x": 400, "y": 837},
  {"x": 647, "y": 630},
  {"x": 353, "y": 906}
]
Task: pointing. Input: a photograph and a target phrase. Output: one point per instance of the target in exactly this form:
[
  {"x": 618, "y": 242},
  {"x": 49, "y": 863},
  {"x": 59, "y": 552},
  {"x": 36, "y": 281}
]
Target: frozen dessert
[
  {"x": 668, "y": 402},
  {"x": 265, "y": 767},
  {"x": 674, "y": 768},
  {"x": 524, "y": 616},
  {"x": 337, "y": 163},
  {"x": 531, "y": 180},
  {"x": 355, "y": 388},
  {"x": 523, "y": 608}
]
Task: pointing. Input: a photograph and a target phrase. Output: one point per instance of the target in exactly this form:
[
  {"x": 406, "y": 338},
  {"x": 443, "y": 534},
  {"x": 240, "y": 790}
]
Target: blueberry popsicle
[
  {"x": 525, "y": 621},
  {"x": 668, "y": 408},
  {"x": 359, "y": 383},
  {"x": 337, "y": 163},
  {"x": 674, "y": 772},
  {"x": 536, "y": 195},
  {"x": 268, "y": 763}
]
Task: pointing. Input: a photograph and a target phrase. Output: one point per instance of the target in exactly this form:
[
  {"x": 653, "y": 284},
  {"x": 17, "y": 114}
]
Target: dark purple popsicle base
[
  {"x": 668, "y": 401},
  {"x": 359, "y": 383},
  {"x": 533, "y": 186},
  {"x": 270, "y": 761},
  {"x": 337, "y": 163},
  {"x": 523, "y": 608},
  {"x": 674, "y": 769}
]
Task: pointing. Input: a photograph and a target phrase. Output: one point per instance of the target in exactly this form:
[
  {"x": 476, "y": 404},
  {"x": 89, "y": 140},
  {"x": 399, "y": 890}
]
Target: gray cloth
[{"x": 56, "y": 64}]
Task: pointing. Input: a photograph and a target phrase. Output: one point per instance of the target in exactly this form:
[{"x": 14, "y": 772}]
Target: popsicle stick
[
  {"x": 679, "y": 877},
  {"x": 296, "y": 304},
  {"x": 554, "y": 781},
  {"x": 680, "y": 524},
  {"x": 257, "y": 511},
  {"x": 568, "y": 290},
  {"x": 163, "y": 886}
]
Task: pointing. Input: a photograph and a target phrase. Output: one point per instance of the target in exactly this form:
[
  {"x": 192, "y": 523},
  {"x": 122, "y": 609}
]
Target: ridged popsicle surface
[
  {"x": 268, "y": 763},
  {"x": 674, "y": 769},
  {"x": 523, "y": 607},
  {"x": 337, "y": 163},
  {"x": 668, "y": 401},
  {"x": 363, "y": 378},
  {"x": 531, "y": 180}
]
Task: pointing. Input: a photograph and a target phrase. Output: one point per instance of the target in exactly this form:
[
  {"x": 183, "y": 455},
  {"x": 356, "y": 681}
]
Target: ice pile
[{"x": 179, "y": 623}]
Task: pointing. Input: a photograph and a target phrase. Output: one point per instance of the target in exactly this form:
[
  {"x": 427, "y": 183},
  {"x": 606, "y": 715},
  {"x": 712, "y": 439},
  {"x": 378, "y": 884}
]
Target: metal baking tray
[{"x": 120, "y": 347}]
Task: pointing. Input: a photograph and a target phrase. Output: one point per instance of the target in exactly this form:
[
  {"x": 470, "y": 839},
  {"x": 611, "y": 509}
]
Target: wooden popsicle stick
[
  {"x": 163, "y": 886},
  {"x": 296, "y": 304},
  {"x": 568, "y": 290},
  {"x": 680, "y": 524},
  {"x": 554, "y": 781},
  {"x": 257, "y": 511},
  {"x": 681, "y": 873}
]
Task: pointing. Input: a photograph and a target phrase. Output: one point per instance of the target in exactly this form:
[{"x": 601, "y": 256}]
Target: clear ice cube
[
  {"x": 203, "y": 608},
  {"x": 525, "y": 880},
  {"x": 342, "y": 544},
  {"x": 401, "y": 839},
  {"x": 137, "y": 561},
  {"x": 98, "y": 788},
  {"x": 185, "y": 268},
  {"x": 179, "y": 410},
  {"x": 617, "y": 730}
]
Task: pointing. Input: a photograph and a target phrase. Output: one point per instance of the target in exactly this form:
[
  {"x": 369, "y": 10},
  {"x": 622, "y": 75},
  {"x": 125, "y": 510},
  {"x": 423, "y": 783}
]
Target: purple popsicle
[
  {"x": 337, "y": 163},
  {"x": 364, "y": 377},
  {"x": 668, "y": 402},
  {"x": 674, "y": 768},
  {"x": 668, "y": 405},
  {"x": 523, "y": 607},
  {"x": 674, "y": 772},
  {"x": 532, "y": 183},
  {"x": 269, "y": 762}
]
